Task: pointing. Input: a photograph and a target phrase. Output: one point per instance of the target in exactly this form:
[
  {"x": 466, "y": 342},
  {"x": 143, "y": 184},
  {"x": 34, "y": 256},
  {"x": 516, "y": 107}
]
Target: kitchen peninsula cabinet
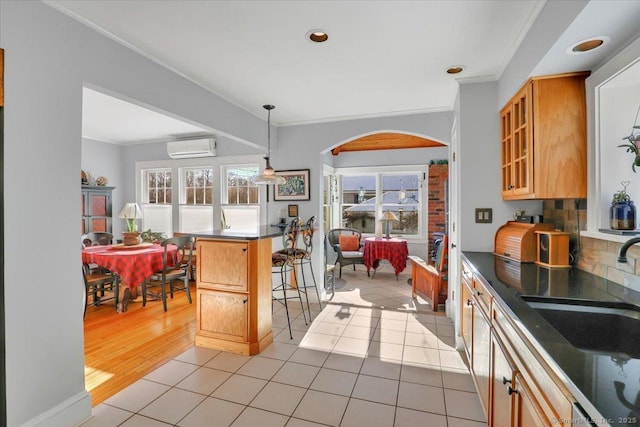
[
  {"x": 543, "y": 138},
  {"x": 233, "y": 291}
]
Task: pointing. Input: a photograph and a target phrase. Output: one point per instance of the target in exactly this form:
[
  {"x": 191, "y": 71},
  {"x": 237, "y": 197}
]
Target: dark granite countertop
[
  {"x": 263, "y": 232},
  {"x": 590, "y": 375}
]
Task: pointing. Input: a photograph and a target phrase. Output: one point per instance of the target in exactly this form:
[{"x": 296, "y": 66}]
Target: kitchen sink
[{"x": 603, "y": 327}]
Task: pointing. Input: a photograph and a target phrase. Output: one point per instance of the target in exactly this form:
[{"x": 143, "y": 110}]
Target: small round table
[{"x": 394, "y": 250}]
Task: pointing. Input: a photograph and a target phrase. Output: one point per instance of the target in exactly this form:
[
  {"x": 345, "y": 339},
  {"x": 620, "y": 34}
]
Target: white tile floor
[{"x": 372, "y": 357}]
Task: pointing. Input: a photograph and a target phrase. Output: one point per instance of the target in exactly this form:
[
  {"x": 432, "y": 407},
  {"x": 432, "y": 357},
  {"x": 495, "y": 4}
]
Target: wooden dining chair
[
  {"x": 96, "y": 286},
  {"x": 176, "y": 267},
  {"x": 96, "y": 238}
]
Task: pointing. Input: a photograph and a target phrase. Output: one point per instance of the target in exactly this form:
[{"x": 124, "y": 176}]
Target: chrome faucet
[{"x": 622, "y": 253}]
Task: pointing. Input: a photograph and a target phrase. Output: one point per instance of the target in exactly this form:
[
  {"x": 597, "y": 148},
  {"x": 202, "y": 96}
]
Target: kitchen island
[
  {"x": 588, "y": 380},
  {"x": 233, "y": 288}
]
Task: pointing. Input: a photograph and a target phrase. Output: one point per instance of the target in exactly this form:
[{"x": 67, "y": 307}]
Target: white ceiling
[{"x": 382, "y": 57}]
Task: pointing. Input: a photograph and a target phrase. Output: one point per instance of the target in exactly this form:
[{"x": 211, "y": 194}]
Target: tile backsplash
[
  {"x": 568, "y": 215},
  {"x": 595, "y": 256}
]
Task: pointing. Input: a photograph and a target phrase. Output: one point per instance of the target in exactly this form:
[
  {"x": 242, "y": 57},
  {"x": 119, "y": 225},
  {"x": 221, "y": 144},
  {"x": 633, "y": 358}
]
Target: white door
[{"x": 452, "y": 305}]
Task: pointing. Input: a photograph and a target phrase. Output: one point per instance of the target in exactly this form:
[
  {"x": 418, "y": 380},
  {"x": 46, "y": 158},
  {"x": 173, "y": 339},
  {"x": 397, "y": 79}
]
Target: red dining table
[
  {"x": 394, "y": 250},
  {"x": 132, "y": 263}
]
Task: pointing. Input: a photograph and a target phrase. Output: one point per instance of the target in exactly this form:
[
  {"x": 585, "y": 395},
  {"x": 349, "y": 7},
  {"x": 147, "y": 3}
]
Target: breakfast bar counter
[{"x": 233, "y": 287}]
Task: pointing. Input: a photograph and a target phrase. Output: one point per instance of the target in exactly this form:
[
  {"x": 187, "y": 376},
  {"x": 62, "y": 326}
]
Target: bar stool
[
  {"x": 303, "y": 257},
  {"x": 283, "y": 263}
]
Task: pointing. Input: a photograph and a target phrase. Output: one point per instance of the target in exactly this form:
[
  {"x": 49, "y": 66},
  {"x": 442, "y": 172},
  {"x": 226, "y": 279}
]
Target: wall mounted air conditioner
[{"x": 187, "y": 148}]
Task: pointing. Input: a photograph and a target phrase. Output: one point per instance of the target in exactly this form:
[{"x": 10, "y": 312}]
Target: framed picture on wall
[
  {"x": 296, "y": 186},
  {"x": 293, "y": 211}
]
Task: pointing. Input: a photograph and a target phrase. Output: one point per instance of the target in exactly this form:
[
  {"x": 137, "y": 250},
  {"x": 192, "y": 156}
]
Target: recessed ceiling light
[
  {"x": 588, "y": 45},
  {"x": 317, "y": 36},
  {"x": 455, "y": 69}
]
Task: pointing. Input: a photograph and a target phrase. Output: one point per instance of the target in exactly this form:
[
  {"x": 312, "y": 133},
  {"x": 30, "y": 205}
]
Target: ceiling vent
[{"x": 188, "y": 148}]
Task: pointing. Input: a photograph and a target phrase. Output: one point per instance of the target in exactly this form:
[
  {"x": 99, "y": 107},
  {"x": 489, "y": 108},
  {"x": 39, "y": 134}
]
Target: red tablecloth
[
  {"x": 132, "y": 265},
  {"x": 393, "y": 250}
]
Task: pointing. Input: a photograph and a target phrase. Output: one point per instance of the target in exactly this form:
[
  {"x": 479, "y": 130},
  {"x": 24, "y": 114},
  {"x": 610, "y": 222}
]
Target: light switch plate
[{"x": 484, "y": 215}]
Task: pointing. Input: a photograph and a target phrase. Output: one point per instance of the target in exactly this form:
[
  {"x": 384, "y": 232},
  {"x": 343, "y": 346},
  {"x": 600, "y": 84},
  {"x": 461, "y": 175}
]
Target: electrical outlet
[{"x": 484, "y": 215}]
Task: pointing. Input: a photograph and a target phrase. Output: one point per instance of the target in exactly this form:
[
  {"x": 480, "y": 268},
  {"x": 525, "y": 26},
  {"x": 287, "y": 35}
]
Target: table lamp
[{"x": 387, "y": 217}]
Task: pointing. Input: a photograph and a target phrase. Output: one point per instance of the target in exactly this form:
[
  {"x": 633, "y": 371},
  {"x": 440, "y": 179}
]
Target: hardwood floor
[{"x": 121, "y": 348}]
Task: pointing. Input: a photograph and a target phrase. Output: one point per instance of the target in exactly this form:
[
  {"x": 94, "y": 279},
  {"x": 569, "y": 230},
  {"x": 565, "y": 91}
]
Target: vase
[
  {"x": 130, "y": 238},
  {"x": 623, "y": 215}
]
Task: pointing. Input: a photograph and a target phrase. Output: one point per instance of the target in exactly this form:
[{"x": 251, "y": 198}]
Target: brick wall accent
[{"x": 437, "y": 209}]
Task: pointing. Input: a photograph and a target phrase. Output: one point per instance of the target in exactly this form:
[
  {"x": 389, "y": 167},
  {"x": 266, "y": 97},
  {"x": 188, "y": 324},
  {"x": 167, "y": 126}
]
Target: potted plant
[
  {"x": 152, "y": 236},
  {"x": 131, "y": 212}
]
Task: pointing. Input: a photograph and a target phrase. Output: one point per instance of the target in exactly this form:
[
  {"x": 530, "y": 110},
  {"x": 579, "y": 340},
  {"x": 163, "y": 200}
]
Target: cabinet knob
[
  {"x": 478, "y": 293},
  {"x": 510, "y": 187},
  {"x": 505, "y": 380},
  {"x": 244, "y": 301},
  {"x": 469, "y": 302},
  {"x": 511, "y": 390},
  {"x": 244, "y": 249},
  {"x": 453, "y": 245}
]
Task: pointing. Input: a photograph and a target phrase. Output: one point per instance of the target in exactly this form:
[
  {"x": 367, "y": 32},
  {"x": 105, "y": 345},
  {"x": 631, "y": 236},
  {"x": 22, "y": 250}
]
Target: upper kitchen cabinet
[{"x": 543, "y": 137}]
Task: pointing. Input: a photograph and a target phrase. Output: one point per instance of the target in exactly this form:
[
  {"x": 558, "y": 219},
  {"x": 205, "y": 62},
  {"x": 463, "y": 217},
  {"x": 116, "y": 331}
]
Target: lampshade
[
  {"x": 268, "y": 176},
  {"x": 389, "y": 216},
  {"x": 130, "y": 211}
]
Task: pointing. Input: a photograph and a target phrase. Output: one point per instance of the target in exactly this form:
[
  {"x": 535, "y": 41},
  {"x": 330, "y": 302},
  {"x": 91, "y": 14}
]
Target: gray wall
[
  {"x": 48, "y": 58},
  {"x": 102, "y": 159}
]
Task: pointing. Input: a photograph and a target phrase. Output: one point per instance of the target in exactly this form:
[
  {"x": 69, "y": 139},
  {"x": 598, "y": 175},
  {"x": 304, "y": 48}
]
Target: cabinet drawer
[
  {"x": 223, "y": 315},
  {"x": 483, "y": 296},
  {"x": 223, "y": 265},
  {"x": 551, "y": 398},
  {"x": 467, "y": 273}
]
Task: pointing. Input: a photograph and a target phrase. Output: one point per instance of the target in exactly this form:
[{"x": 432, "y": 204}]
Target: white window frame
[
  {"x": 224, "y": 188},
  {"x": 210, "y": 162},
  {"x": 420, "y": 170}
]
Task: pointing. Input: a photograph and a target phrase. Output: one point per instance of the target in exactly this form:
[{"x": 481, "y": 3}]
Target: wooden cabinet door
[
  {"x": 522, "y": 148},
  {"x": 506, "y": 145},
  {"x": 223, "y": 315},
  {"x": 480, "y": 349},
  {"x": 527, "y": 411},
  {"x": 95, "y": 205},
  {"x": 502, "y": 379},
  {"x": 467, "y": 318},
  {"x": 223, "y": 265}
]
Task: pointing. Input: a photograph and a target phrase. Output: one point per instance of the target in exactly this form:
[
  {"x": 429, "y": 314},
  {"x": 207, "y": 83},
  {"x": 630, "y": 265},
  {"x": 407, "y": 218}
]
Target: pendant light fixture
[{"x": 268, "y": 176}]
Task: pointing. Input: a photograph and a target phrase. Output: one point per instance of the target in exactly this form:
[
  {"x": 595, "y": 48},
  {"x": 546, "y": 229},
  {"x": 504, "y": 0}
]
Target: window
[
  {"x": 158, "y": 186},
  {"x": 156, "y": 201},
  {"x": 239, "y": 186},
  {"x": 366, "y": 196},
  {"x": 198, "y": 186},
  {"x": 189, "y": 194},
  {"x": 241, "y": 211},
  {"x": 401, "y": 196},
  {"x": 359, "y": 203},
  {"x": 196, "y": 195}
]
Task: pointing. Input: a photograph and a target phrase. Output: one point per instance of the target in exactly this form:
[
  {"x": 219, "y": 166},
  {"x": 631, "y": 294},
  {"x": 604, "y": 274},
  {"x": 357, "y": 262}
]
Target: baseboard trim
[{"x": 70, "y": 412}]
